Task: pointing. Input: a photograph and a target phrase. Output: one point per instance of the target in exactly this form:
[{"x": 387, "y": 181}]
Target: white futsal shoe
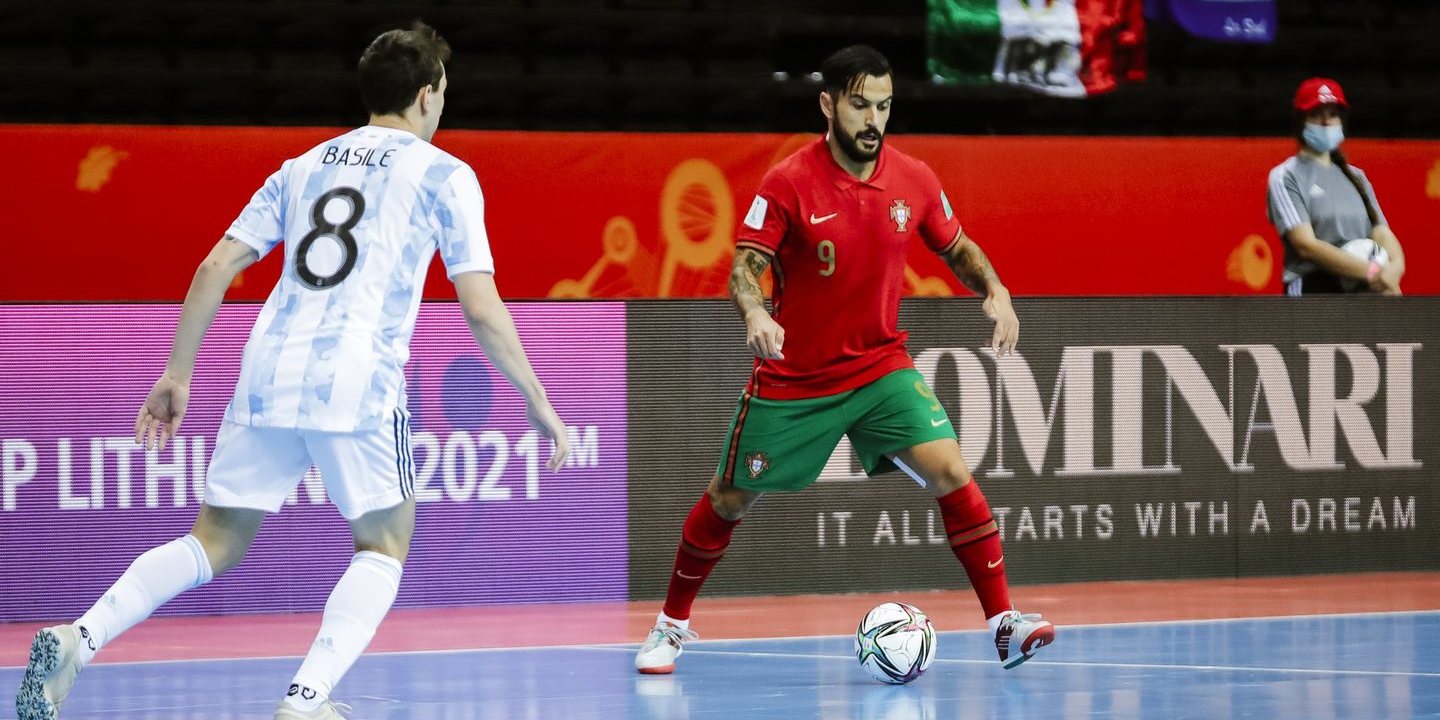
[
  {"x": 1019, "y": 637},
  {"x": 665, "y": 643},
  {"x": 327, "y": 711},
  {"x": 54, "y": 665}
]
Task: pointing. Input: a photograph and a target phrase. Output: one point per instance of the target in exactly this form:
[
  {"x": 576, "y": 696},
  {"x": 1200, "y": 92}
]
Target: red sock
[
  {"x": 976, "y": 542},
  {"x": 702, "y": 543}
]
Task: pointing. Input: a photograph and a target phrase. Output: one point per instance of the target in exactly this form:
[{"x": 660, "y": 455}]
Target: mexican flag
[{"x": 1065, "y": 48}]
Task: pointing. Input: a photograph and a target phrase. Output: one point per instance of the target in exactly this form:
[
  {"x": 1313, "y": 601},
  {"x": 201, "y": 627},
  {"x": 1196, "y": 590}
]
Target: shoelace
[
  {"x": 676, "y": 634},
  {"x": 1025, "y": 617},
  {"x": 1014, "y": 619}
]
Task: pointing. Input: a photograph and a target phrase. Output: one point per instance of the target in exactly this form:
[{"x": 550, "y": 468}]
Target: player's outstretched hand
[
  {"x": 548, "y": 423},
  {"x": 160, "y": 416},
  {"x": 1007, "y": 327},
  {"x": 764, "y": 336}
]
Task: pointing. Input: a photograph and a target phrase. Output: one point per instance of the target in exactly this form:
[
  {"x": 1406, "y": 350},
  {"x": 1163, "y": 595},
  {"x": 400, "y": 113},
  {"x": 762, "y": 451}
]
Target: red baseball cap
[{"x": 1319, "y": 91}]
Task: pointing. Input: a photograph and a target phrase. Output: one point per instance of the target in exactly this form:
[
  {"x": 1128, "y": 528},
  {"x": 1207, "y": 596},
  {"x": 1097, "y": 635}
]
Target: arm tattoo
[
  {"x": 745, "y": 274},
  {"x": 972, "y": 267}
]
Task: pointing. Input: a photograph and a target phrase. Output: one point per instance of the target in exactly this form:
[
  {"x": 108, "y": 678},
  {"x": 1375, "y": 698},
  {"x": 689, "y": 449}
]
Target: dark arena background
[{"x": 1224, "y": 498}]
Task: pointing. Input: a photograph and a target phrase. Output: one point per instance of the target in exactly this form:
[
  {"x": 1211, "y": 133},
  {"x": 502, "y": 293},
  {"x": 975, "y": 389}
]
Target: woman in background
[{"x": 1319, "y": 202}]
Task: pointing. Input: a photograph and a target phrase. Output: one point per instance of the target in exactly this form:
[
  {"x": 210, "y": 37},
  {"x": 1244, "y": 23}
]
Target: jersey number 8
[{"x": 340, "y": 231}]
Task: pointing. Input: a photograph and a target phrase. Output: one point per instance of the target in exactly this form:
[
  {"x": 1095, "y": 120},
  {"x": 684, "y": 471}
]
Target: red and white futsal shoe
[{"x": 1019, "y": 637}]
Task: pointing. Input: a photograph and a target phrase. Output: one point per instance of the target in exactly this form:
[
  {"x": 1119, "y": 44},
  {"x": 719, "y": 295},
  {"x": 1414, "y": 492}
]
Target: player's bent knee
[
  {"x": 953, "y": 477},
  {"x": 386, "y": 531},
  {"x": 226, "y": 534},
  {"x": 224, "y": 552},
  {"x": 393, "y": 542},
  {"x": 399, "y": 552},
  {"x": 731, "y": 503}
]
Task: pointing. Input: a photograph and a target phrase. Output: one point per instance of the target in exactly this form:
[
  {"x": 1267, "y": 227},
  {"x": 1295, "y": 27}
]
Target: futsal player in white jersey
[{"x": 360, "y": 217}]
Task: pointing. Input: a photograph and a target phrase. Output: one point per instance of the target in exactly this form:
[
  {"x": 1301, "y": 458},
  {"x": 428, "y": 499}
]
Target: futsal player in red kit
[{"x": 834, "y": 223}]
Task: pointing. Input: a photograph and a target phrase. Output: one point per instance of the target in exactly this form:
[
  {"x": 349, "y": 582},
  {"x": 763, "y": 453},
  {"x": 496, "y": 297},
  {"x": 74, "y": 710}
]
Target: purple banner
[
  {"x": 79, "y": 500},
  {"x": 1250, "y": 21}
]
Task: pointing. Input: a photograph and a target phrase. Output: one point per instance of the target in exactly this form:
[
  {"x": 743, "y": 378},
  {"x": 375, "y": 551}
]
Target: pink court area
[{"x": 245, "y": 636}]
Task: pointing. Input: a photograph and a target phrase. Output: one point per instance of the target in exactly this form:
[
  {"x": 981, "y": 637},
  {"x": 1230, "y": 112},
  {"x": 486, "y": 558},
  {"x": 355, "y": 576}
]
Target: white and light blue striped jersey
[{"x": 360, "y": 217}]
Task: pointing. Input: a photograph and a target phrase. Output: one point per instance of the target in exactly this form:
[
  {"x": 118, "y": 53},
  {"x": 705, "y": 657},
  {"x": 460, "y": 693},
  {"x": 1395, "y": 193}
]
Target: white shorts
[{"x": 258, "y": 467}]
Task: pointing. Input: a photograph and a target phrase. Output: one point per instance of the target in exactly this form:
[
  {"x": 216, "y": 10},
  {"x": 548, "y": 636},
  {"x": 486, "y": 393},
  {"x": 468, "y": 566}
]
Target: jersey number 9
[
  {"x": 340, "y": 231},
  {"x": 826, "y": 252}
]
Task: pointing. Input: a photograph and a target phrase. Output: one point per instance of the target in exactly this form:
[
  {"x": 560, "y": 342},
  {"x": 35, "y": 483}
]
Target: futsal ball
[
  {"x": 1367, "y": 250},
  {"x": 895, "y": 643}
]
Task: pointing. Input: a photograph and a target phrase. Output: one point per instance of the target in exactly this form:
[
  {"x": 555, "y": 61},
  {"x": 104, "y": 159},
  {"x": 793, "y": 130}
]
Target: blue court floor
[{"x": 1328, "y": 667}]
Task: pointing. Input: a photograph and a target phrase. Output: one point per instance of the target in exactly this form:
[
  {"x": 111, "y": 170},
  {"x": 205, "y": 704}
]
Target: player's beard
[{"x": 850, "y": 144}]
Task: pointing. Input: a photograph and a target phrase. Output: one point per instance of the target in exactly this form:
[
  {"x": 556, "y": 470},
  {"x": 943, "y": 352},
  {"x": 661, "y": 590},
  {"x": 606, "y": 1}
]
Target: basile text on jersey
[{"x": 335, "y": 155}]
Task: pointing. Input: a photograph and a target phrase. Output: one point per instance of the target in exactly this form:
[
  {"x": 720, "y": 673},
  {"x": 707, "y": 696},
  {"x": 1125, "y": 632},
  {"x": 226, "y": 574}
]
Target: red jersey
[{"x": 839, "y": 246}]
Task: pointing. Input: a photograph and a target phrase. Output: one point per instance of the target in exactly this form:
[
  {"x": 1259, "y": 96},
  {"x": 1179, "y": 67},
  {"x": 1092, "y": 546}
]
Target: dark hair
[
  {"x": 845, "y": 70},
  {"x": 1344, "y": 164},
  {"x": 397, "y": 64}
]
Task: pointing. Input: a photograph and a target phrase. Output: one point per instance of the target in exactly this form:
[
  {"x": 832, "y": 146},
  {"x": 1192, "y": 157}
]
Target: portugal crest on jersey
[
  {"x": 756, "y": 463},
  {"x": 900, "y": 213}
]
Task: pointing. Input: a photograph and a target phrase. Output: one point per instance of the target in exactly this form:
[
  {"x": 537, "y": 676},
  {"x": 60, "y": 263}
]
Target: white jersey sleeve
[
  {"x": 460, "y": 219},
  {"x": 261, "y": 224}
]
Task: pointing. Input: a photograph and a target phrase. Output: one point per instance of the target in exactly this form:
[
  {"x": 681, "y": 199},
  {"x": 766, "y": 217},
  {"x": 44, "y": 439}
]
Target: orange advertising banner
[{"x": 97, "y": 213}]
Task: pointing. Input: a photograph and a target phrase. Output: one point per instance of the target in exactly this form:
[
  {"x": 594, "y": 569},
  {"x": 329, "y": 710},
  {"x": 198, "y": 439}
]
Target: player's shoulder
[
  {"x": 444, "y": 167},
  {"x": 369, "y": 144},
  {"x": 798, "y": 164},
  {"x": 909, "y": 166},
  {"x": 903, "y": 159},
  {"x": 1289, "y": 167},
  {"x": 315, "y": 153},
  {"x": 442, "y": 158},
  {"x": 313, "y": 159},
  {"x": 791, "y": 172}
]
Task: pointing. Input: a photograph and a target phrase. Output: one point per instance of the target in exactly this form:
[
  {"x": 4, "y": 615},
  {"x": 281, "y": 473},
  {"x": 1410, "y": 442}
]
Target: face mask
[{"x": 1323, "y": 138}]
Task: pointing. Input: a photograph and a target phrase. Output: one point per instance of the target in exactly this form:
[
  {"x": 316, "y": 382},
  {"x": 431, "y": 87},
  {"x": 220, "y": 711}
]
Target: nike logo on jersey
[
  {"x": 817, "y": 220},
  {"x": 993, "y": 565},
  {"x": 937, "y": 423},
  {"x": 687, "y": 577}
]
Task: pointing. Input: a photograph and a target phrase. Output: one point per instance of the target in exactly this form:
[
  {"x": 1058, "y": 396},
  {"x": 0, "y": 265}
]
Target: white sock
[
  {"x": 994, "y": 622},
  {"x": 149, "y": 582},
  {"x": 677, "y": 623},
  {"x": 355, "y": 608}
]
